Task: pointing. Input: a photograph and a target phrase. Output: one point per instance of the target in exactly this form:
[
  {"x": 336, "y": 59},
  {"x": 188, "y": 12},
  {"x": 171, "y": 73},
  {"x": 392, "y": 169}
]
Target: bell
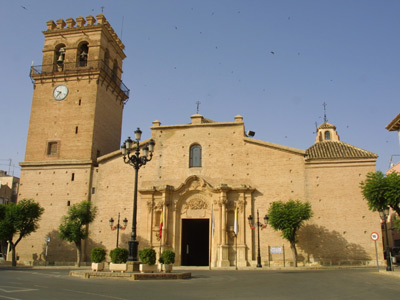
[{"x": 60, "y": 59}]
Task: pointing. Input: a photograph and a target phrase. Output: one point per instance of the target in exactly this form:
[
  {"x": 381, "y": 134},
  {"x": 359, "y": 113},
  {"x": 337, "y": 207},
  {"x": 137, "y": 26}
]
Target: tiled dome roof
[{"x": 336, "y": 149}]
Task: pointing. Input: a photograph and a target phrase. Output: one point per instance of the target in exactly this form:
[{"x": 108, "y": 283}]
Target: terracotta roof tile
[{"x": 335, "y": 150}]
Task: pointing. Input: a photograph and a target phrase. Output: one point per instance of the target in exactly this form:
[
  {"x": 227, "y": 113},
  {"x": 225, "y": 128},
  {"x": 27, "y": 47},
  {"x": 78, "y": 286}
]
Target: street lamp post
[
  {"x": 118, "y": 227},
  {"x": 384, "y": 213},
  {"x": 136, "y": 161},
  {"x": 258, "y": 225}
]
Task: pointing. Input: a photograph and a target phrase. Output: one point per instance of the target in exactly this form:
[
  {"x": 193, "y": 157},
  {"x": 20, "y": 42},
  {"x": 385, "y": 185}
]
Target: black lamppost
[
  {"x": 253, "y": 226},
  {"x": 136, "y": 161},
  {"x": 384, "y": 213},
  {"x": 118, "y": 227}
]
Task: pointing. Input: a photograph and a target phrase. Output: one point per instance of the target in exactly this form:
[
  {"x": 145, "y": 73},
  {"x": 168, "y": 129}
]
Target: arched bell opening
[
  {"x": 82, "y": 55},
  {"x": 59, "y": 57}
]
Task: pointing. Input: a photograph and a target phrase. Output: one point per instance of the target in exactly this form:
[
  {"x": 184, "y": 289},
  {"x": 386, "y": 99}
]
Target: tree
[
  {"x": 19, "y": 219},
  {"x": 382, "y": 191},
  {"x": 392, "y": 193},
  {"x": 288, "y": 217},
  {"x": 74, "y": 225}
]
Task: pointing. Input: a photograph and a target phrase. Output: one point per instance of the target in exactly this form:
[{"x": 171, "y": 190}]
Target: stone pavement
[{"x": 183, "y": 272}]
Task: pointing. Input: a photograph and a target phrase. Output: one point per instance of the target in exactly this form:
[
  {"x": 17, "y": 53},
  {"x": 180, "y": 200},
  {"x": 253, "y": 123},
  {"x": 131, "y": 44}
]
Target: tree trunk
[
  {"x": 13, "y": 260},
  {"x": 294, "y": 253},
  {"x": 78, "y": 255}
]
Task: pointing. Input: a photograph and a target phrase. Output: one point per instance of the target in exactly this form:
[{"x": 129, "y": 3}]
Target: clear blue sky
[{"x": 219, "y": 52}]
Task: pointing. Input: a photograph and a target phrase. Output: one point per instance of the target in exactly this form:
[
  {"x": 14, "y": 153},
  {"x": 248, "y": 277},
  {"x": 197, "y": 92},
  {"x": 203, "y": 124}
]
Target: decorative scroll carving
[
  {"x": 158, "y": 205},
  {"x": 196, "y": 204},
  {"x": 152, "y": 205}
]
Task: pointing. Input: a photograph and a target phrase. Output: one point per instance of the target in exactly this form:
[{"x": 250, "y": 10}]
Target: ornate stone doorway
[
  {"x": 195, "y": 242},
  {"x": 188, "y": 211}
]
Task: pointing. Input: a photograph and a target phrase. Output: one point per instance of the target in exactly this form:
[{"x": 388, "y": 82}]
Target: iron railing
[{"x": 80, "y": 66}]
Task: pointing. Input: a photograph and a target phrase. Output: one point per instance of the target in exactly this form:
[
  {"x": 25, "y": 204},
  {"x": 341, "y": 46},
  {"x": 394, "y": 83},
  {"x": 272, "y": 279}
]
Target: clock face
[{"x": 60, "y": 92}]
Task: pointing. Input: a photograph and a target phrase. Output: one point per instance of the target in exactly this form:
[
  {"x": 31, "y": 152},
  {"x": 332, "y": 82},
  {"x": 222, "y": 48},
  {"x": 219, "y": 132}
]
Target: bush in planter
[
  {"x": 168, "y": 256},
  {"x": 148, "y": 256},
  {"x": 98, "y": 255},
  {"x": 119, "y": 255}
]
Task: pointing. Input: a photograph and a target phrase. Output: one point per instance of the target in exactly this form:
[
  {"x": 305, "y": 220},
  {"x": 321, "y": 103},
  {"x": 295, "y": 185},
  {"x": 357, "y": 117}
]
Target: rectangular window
[
  {"x": 76, "y": 130},
  {"x": 52, "y": 148},
  {"x": 73, "y": 177}
]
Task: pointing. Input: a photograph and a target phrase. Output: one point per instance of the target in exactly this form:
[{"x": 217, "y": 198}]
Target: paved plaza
[{"x": 55, "y": 283}]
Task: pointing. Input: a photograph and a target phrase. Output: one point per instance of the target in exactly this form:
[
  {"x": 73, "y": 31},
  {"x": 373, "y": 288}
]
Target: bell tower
[
  {"x": 76, "y": 116},
  {"x": 78, "y": 94}
]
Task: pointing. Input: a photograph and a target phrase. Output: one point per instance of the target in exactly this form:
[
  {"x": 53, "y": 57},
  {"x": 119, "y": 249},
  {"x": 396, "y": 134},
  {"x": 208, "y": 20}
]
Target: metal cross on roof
[
  {"x": 198, "y": 106},
  {"x": 325, "y": 119}
]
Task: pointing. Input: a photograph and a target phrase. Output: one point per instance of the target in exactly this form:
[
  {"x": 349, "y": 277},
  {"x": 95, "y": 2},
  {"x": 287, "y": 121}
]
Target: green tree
[
  {"x": 382, "y": 191},
  {"x": 74, "y": 226},
  {"x": 19, "y": 219},
  {"x": 288, "y": 217}
]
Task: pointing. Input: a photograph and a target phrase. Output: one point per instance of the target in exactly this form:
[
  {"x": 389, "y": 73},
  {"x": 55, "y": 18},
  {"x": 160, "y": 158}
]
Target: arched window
[
  {"x": 83, "y": 52},
  {"x": 195, "y": 156},
  {"x": 327, "y": 135}
]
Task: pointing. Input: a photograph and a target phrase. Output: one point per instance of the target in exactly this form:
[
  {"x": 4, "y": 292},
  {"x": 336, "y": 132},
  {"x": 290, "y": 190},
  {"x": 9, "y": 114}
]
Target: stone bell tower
[
  {"x": 76, "y": 116},
  {"x": 79, "y": 96}
]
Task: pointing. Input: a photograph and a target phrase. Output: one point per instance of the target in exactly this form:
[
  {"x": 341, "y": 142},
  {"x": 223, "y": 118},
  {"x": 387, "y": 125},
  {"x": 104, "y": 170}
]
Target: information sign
[{"x": 276, "y": 250}]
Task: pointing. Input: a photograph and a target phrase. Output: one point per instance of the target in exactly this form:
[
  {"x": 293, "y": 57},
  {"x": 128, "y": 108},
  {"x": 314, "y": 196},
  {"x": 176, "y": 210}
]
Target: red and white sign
[{"x": 374, "y": 236}]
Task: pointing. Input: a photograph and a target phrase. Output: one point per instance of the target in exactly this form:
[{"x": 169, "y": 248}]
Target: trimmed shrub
[
  {"x": 98, "y": 255},
  {"x": 168, "y": 257},
  {"x": 119, "y": 255},
  {"x": 148, "y": 256}
]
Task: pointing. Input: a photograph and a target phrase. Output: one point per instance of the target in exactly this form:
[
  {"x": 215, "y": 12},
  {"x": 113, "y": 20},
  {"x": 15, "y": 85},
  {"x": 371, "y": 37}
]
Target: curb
[{"x": 131, "y": 276}]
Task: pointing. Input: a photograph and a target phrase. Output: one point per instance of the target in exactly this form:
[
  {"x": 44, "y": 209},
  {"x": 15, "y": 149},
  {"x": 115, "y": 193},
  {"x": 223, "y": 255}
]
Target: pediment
[{"x": 194, "y": 183}]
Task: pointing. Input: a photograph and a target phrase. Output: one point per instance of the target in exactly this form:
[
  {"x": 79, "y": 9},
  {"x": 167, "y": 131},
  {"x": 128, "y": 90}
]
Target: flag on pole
[
  {"x": 235, "y": 224},
  {"x": 161, "y": 223}
]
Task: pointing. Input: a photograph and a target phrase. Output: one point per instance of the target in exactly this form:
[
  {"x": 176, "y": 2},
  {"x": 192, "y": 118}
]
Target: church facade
[{"x": 201, "y": 176}]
